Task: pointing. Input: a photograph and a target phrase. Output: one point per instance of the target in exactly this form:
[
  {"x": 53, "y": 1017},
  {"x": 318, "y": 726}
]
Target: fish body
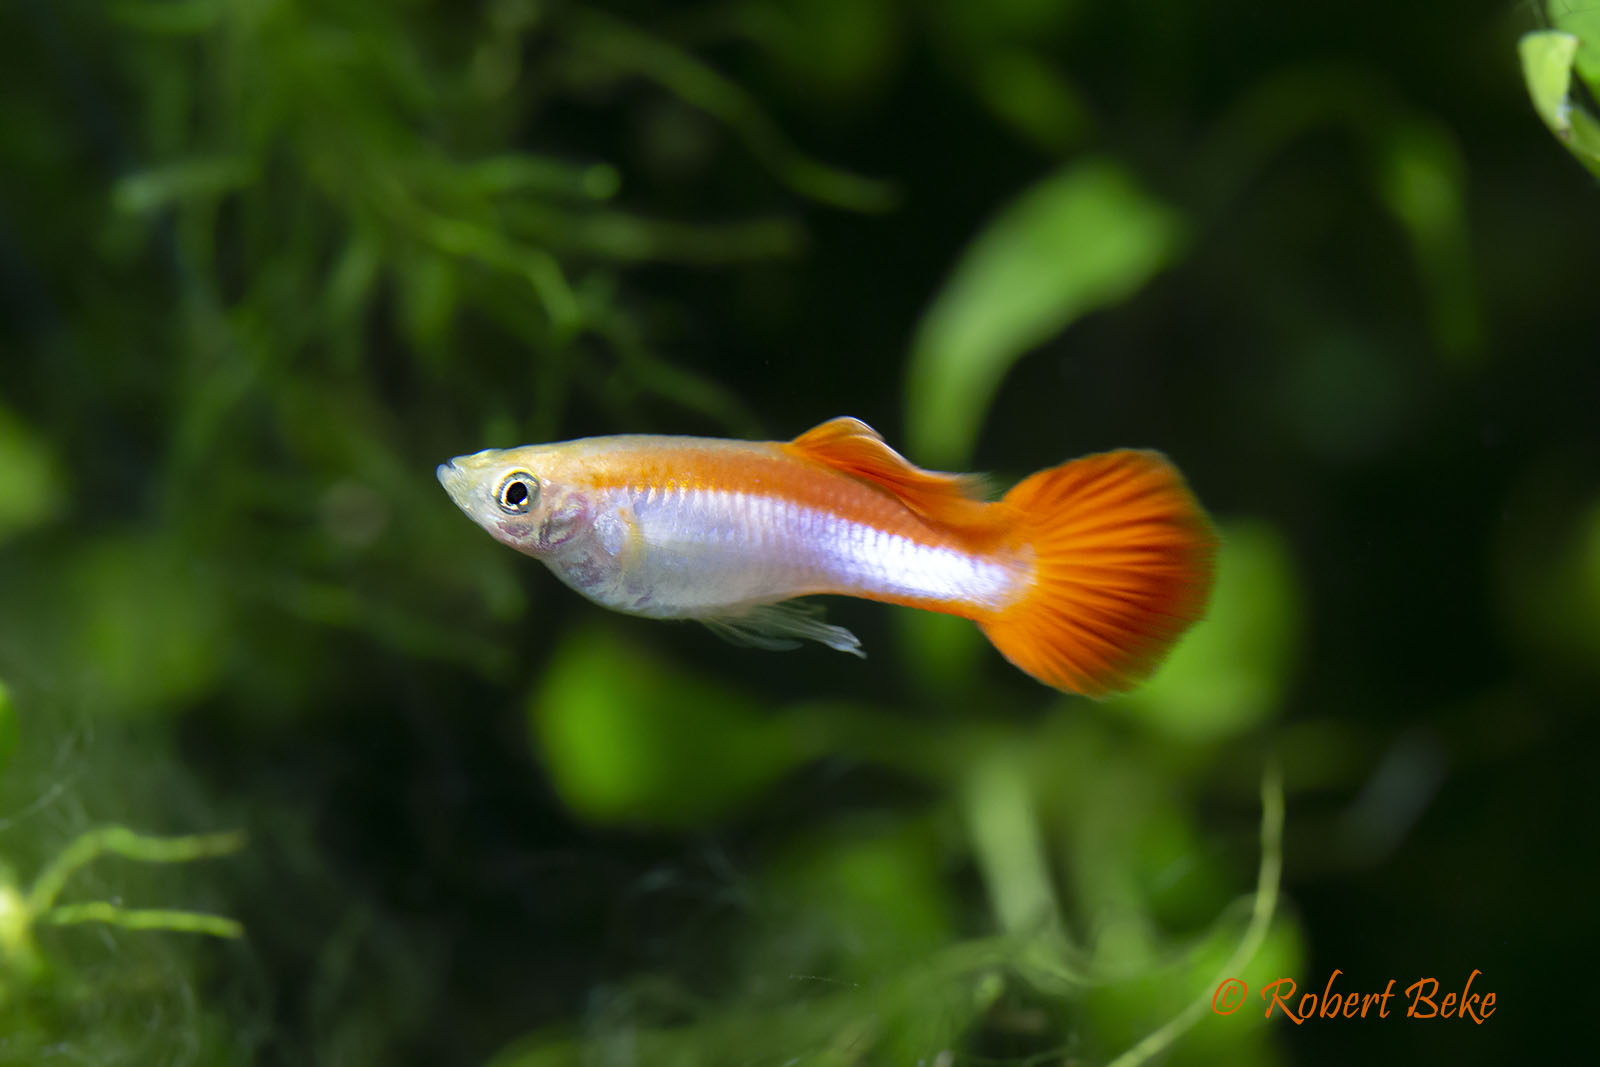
[{"x": 731, "y": 532}]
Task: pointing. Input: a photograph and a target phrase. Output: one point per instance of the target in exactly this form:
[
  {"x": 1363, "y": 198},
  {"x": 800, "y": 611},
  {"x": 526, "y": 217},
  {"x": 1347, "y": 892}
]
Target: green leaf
[
  {"x": 9, "y": 734},
  {"x": 943, "y": 654},
  {"x": 30, "y": 478},
  {"x": 1127, "y": 1012},
  {"x": 1551, "y": 584},
  {"x": 523, "y": 175},
  {"x": 1421, "y": 179},
  {"x": 1033, "y": 98},
  {"x": 630, "y": 740},
  {"x": 1085, "y": 238},
  {"x": 148, "y": 629},
  {"x": 830, "y": 51},
  {"x": 429, "y": 286},
  {"x": 863, "y": 897},
  {"x": 1547, "y": 67},
  {"x": 1547, "y": 61},
  {"x": 619, "y": 45},
  {"x": 1229, "y": 672},
  {"x": 1583, "y": 22},
  {"x": 174, "y": 17},
  {"x": 152, "y": 189}
]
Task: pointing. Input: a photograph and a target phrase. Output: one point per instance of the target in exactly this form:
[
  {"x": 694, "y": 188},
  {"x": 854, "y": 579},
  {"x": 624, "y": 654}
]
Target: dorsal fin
[{"x": 852, "y": 447}]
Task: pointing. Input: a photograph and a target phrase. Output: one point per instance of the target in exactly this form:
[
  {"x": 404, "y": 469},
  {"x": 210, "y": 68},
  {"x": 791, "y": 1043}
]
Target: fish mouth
[{"x": 455, "y": 481}]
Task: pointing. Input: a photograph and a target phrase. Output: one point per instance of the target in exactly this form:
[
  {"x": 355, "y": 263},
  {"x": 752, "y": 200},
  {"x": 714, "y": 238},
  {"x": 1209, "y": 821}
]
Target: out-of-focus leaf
[
  {"x": 462, "y": 237},
  {"x": 1007, "y": 20},
  {"x": 626, "y": 237},
  {"x": 152, "y": 189},
  {"x": 428, "y": 286},
  {"x": 1228, "y": 673},
  {"x": 1421, "y": 179},
  {"x": 148, "y": 625},
  {"x": 628, "y": 739},
  {"x": 1547, "y": 58},
  {"x": 1583, "y": 22},
  {"x": 1122, "y": 1013},
  {"x": 909, "y": 1015},
  {"x": 1084, "y": 238},
  {"x": 1547, "y": 61},
  {"x": 830, "y": 48},
  {"x": 1178, "y": 874},
  {"x": 1190, "y": 983},
  {"x": 1551, "y": 578},
  {"x": 1004, "y": 827},
  {"x": 177, "y": 17},
  {"x": 942, "y": 653},
  {"x": 1033, "y": 98},
  {"x": 353, "y": 278},
  {"x": 534, "y": 175},
  {"x": 1588, "y": 576},
  {"x": 617, "y": 44},
  {"x": 9, "y": 734},
  {"x": 860, "y": 900},
  {"x": 30, "y": 478}
]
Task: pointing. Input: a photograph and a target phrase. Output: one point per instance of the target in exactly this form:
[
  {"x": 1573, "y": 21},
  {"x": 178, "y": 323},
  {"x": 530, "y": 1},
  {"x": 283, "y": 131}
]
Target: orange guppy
[{"x": 1083, "y": 575}]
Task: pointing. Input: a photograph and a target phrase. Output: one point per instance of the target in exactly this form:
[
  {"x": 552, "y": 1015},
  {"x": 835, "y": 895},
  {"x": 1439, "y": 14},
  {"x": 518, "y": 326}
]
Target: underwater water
[{"x": 298, "y": 766}]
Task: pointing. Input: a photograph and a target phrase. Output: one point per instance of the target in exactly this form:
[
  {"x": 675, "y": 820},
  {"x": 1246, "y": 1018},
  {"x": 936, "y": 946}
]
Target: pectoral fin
[{"x": 782, "y": 626}]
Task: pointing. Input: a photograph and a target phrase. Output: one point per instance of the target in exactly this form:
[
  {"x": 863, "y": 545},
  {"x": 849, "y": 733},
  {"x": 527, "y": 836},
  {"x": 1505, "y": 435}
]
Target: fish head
[{"x": 524, "y": 497}]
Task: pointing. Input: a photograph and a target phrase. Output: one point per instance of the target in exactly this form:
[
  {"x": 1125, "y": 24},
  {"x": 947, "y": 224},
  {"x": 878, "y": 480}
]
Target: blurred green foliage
[
  {"x": 30, "y": 485},
  {"x": 1081, "y": 239},
  {"x": 9, "y": 735},
  {"x": 263, "y": 263},
  {"x": 1231, "y": 672},
  {"x": 649, "y": 745},
  {"x": 98, "y": 977}
]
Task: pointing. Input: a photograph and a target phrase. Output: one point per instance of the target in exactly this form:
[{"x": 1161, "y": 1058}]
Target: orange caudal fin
[{"x": 1123, "y": 560}]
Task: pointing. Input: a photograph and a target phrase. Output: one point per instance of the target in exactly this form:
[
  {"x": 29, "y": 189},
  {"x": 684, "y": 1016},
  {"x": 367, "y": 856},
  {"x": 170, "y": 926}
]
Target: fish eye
[{"x": 517, "y": 493}]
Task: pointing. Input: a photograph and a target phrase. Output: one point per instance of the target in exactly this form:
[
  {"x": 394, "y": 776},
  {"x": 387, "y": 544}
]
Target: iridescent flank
[{"x": 709, "y": 550}]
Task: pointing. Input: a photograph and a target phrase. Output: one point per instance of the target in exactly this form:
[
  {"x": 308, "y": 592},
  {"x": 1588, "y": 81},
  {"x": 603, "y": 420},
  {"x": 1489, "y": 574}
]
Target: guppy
[{"x": 1083, "y": 575}]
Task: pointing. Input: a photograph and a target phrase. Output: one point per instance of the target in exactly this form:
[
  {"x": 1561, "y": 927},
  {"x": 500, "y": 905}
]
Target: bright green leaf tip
[
  {"x": 1547, "y": 66},
  {"x": 1548, "y": 57}
]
